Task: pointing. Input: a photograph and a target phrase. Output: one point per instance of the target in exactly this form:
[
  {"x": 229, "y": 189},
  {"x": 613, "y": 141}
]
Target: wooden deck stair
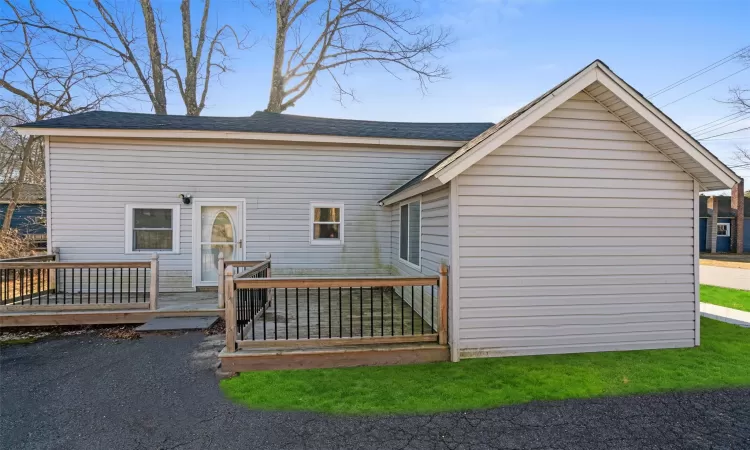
[{"x": 328, "y": 356}]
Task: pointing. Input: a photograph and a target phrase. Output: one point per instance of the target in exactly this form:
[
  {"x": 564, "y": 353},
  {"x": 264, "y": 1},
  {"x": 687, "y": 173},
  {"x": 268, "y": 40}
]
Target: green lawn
[
  {"x": 731, "y": 298},
  {"x": 722, "y": 360}
]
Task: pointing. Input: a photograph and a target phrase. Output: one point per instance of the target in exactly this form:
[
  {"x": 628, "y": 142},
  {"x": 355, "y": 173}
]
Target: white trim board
[
  {"x": 403, "y": 261},
  {"x": 342, "y": 225},
  {"x": 696, "y": 260},
  {"x": 487, "y": 142},
  {"x": 196, "y": 205},
  {"x": 48, "y": 195},
  {"x": 454, "y": 276},
  {"x": 236, "y": 135},
  {"x": 596, "y": 71},
  {"x": 175, "y": 207}
]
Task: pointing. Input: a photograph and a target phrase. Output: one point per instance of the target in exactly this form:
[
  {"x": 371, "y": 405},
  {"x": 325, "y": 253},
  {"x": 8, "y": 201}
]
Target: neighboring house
[
  {"x": 704, "y": 218},
  {"x": 721, "y": 232},
  {"x": 29, "y": 216},
  {"x": 570, "y": 226}
]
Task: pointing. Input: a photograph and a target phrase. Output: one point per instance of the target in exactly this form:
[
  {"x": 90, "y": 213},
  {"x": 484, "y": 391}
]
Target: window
[
  {"x": 722, "y": 229},
  {"x": 152, "y": 228},
  {"x": 326, "y": 224},
  {"x": 410, "y": 230}
]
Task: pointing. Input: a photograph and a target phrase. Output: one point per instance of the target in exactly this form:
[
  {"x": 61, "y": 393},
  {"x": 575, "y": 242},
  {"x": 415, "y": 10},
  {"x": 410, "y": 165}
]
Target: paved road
[{"x": 87, "y": 392}]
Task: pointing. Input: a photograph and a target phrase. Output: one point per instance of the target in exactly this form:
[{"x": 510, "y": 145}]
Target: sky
[{"x": 506, "y": 53}]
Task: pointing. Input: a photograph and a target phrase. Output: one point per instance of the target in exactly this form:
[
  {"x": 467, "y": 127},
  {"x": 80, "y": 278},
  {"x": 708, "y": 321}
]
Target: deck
[{"x": 182, "y": 304}]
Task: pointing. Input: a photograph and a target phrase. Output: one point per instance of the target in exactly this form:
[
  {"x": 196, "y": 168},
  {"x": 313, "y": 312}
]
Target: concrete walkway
[
  {"x": 727, "y": 277},
  {"x": 724, "y": 314},
  {"x": 160, "y": 392}
]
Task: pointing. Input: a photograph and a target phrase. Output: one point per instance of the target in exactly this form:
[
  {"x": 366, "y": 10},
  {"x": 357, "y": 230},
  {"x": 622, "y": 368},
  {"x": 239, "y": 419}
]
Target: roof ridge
[{"x": 301, "y": 116}]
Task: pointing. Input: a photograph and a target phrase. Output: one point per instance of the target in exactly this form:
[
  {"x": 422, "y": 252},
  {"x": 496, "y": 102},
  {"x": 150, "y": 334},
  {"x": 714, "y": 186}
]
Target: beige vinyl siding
[
  {"x": 93, "y": 179},
  {"x": 574, "y": 236},
  {"x": 434, "y": 243}
]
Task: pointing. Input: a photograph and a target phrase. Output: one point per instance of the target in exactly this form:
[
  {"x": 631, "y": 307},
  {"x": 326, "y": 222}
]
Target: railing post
[
  {"x": 443, "y": 302},
  {"x": 154, "y": 293},
  {"x": 220, "y": 280},
  {"x": 52, "y": 273},
  {"x": 269, "y": 292},
  {"x": 230, "y": 310}
]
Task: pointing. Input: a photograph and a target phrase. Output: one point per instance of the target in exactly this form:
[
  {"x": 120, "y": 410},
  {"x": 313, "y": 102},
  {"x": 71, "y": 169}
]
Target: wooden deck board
[{"x": 184, "y": 304}]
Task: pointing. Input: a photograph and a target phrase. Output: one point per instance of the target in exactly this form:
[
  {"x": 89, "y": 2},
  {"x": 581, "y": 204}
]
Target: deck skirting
[{"x": 246, "y": 360}]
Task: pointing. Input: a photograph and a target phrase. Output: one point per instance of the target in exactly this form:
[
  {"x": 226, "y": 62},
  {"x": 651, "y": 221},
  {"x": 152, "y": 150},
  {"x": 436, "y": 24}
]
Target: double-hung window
[
  {"x": 410, "y": 232},
  {"x": 723, "y": 230},
  {"x": 152, "y": 228},
  {"x": 326, "y": 223}
]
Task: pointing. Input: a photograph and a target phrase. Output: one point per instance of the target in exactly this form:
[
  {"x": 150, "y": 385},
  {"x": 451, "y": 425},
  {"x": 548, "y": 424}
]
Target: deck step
[
  {"x": 177, "y": 324},
  {"x": 245, "y": 360}
]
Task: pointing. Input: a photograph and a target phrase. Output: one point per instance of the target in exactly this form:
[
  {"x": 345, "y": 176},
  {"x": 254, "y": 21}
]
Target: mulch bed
[{"x": 107, "y": 331}]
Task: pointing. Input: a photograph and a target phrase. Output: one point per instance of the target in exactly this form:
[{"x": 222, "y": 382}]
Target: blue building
[
  {"x": 30, "y": 215},
  {"x": 719, "y": 211},
  {"x": 28, "y": 218}
]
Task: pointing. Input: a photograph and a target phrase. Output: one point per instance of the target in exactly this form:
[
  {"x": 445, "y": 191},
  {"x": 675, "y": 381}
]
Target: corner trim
[
  {"x": 696, "y": 261},
  {"x": 454, "y": 280},
  {"x": 47, "y": 188}
]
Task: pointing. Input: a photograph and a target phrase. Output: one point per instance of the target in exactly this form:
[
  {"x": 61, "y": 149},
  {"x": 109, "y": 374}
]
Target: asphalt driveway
[{"x": 89, "y": 392}]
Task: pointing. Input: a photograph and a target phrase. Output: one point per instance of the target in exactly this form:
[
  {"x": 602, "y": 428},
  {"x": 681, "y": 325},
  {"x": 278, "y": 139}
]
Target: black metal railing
[
  {"x": 323, "y": 308},
  {"x": 251, "y": 302},
  {"x": 56, "y": 284}
]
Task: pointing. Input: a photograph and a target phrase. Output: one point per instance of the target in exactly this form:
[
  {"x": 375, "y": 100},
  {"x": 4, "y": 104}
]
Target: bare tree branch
[
  {"x": 348, "y": 33},
  {"x": 739, "y": 98},
  {"x": 41, "y": 77},
  {"x": 137, "y": 46}
]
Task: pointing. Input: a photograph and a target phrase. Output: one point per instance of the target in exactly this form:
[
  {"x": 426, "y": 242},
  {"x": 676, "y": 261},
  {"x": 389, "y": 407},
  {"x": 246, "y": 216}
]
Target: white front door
[{"x": 218, "y": 227}]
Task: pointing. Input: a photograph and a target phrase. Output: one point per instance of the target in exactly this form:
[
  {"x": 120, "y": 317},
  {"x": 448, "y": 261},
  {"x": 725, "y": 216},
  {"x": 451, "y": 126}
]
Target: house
[
  {"x": 721, "y": 230},
  {"x": 29, "y": 215},
  {"x": 570, "y": 226}
]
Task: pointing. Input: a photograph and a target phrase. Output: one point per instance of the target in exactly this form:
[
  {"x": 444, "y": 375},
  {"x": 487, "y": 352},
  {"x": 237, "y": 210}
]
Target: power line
[
  {"x": 729, "y": 116},
  {"x": 705, "y": 87},
  {"x": 700, "y": 72},
  {"x": 720, "y": 126},
  {"x": 729, "y": 139},
  {"x": 722, "y": 134}
]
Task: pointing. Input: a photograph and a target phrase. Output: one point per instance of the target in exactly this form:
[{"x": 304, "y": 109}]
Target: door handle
[{"x": 239, "y": 243}]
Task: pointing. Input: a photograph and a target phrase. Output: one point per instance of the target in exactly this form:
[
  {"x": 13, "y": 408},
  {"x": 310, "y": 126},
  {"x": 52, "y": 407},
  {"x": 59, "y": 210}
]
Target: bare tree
[
  {"x": 740, "y": 101},
  {"x": 113, "y": 33},
  {"x": 39, "y": 79},
  {"x": 315, "y": 37}
]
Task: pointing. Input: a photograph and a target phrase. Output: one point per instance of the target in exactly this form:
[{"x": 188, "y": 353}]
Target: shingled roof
[{"x": 265, "y": 122}]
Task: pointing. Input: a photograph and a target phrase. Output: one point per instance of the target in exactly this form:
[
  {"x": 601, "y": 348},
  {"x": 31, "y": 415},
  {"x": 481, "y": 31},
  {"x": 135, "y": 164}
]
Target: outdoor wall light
[{"x": 186, "y": 198}]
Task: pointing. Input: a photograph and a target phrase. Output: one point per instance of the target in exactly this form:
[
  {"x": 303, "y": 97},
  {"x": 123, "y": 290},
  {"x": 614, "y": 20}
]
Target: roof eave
[
  {"x": 597, "y": 71},
  {"x": 235, "y": 135},
  {"x": 423, "y": 186}
]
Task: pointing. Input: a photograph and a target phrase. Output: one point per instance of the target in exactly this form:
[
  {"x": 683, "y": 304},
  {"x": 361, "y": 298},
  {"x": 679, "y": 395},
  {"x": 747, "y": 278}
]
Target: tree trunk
[
  {"x": 18, "y": 189},
  {"x": 276, "y": 98},
  {"x": 191, "y": 69},
  {"x": 157, "y": 71}
]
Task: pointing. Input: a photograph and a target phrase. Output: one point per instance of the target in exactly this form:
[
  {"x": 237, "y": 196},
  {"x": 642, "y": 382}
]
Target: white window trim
[
  {"x": 409, "y": 263},
  {"x": 729, "y": 229},
  {"x": 175, "y": 207},
  {"x": 342, "y": 226}
]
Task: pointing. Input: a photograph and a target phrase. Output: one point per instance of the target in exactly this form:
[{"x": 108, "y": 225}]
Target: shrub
[{"x": 13, "y": 245}]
